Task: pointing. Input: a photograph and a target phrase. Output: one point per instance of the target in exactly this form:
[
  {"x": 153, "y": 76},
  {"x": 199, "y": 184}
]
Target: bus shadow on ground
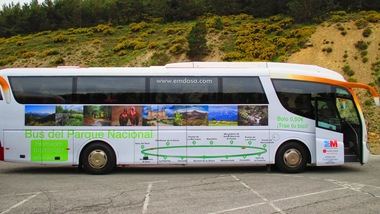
[{"x": 180, "y": 170}]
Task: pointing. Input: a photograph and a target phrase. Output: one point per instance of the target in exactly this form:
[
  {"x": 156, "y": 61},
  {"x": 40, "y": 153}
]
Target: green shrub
[
  {"x": 345, "y": 56},
  {"x": 109, "y": 31},
  {"x": 29, "y": 54},
  {"x": 80, "y": 30},
  {"x": 153, "y": 45},
  {"x": 301, "y": 32},
  {"x": 367, "y": 32},
  {"x": 352, "y": 79},
  {"x": 275, "y": 18},
  {"x": 50, "y": 52},
  {"x": 43, "y": 33},
  {"x": 150, "y": 31},
  {"x": 20, "y": 43},
  {"x": 233, "y": 56},
  {"x": 338, "y": 16},
  {"x": 158, "y": 58},
  {"x": 122, "y": 53},
  {"x": 132, "y": 45},
  {"x": 286, "y": 22},
  {"x": 327, "y": 49},
  {"x": 361, "y": 45},
  {"x": 372, "y": 16},
  {"x": 363, "y": 53},
  {"x": 136, "y": 27},
  {"x": 174, "y": 31},
  {"x": 365, "y": 59},
  {"x": 100, "y": 28},
  {"x": 176, "y": 49},
  {"x": 7, "y": 60},
  {"x": 369, "y": 102},
  {"x": 60, "y": 38},
  {"x": 215, "y": 22},
  {"x": 361, "y": 23},
  {"x": 347, "y": 70},
  {"x": 57, "y": 61},
  {"x": 197, "y": 41},
  {"x": 340, "y": 27},
  {"x": 96, "y": 41},
  {"x": 179, "y": 40},
  {"x": 343, "y": 33}
]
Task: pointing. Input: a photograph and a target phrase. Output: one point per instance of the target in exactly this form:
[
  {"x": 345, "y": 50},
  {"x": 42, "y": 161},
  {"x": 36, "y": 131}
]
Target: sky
[{"x": 40, "y": 109}]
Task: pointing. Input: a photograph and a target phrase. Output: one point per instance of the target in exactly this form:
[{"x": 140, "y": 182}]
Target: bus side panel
[
  {"x": 17, "y": 147},
  {"x": 281, "y": 136},
  {"x": 38, "y": 146},
  {"x": 239, "y": 146},
  {"x": 122, "y": 145},
  {"x": 172, "y": 145}
]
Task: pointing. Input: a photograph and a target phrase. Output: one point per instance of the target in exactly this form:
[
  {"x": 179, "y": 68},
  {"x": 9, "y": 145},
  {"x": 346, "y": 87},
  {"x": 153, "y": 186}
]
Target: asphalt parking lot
[{"x": 50, "y": 189}]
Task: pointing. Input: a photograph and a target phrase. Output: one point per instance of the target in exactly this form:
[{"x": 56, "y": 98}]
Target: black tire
[
  {"x": 291, "y": 150},
  {"x": 98, "y": 158}
]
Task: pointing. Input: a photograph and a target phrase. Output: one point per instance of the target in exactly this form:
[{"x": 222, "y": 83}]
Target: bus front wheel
[
  {"x": 98, "y": 158},
  {"x": 291, "y": 158}
]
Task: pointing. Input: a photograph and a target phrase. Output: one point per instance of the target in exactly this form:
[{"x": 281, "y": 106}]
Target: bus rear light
[{"x": 1, "y": 153}]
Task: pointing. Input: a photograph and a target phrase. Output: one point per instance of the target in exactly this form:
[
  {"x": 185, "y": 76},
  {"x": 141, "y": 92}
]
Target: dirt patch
[
  {"x": 214, "y": 43},
  {"x": 330, "y": 37},
  {"x": 374, "y": 139}
]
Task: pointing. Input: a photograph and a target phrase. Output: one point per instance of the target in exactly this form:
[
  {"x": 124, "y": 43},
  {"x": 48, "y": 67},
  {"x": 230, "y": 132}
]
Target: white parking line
[
  {"x": 25, "y": 193},
  {"x": 309, "y": 194},
  {"x": 147, "y": 197},
  {"x": 153, "y": 182},
  {"x": 259, "y": 195},
  {"x": 20, "y": 203},
  {"x": 240, "y": 208},
  {"x": 281, "y": 199}
]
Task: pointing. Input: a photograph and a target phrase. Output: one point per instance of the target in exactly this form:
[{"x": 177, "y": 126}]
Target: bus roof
[{"x": 276, "y": 70}]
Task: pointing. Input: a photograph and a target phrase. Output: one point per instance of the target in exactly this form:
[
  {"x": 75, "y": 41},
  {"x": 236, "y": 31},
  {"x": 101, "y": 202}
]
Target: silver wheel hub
[
  {"x": 292, "y": 158},
  {"x": 97, "y": 159}
]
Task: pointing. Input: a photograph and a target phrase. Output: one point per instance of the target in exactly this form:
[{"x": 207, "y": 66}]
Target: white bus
[{"x": 193, "y": 113}]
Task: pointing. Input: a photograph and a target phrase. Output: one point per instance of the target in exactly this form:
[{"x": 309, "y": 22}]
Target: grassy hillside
[
  {"x": 240, "y": 37},
  {"x": 347, "y": 43}
]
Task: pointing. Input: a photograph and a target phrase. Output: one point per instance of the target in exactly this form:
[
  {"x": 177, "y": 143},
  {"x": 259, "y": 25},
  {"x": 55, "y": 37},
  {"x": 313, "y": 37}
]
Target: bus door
[
  {"x": 328, "y": 133},
  {"x": 351, "y": 129}
]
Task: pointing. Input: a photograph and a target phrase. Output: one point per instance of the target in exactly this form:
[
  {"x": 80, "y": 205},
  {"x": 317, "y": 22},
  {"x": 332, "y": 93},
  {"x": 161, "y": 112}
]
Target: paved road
[{"x": 45, "y": 189}]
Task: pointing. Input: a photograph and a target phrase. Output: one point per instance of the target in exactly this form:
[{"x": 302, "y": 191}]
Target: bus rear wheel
[
  {"x": 291, "y": 158},
  {"x": 98, "y": 158}
]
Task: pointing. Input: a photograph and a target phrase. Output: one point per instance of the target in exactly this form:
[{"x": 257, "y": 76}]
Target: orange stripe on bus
[
  {"x": 4, "y": 84},
  {"x": 372, "y": 90}
]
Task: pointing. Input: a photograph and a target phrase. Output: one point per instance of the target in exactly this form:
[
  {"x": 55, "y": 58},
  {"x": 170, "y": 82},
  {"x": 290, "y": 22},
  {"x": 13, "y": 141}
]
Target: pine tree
[{"x": 197, "y": 41}]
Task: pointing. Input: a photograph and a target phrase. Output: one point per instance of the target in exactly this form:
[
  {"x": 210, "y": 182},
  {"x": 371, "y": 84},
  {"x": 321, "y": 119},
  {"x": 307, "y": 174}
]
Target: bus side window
[
  {"x": 183, "y": 90},
  {"x": 42, "y": 90},
  {"x": 243, "y": 90},
  {"x": 297, "y": 96},
  {"x": 110, "y": 90},
  {"x": 327, "y": 114}
]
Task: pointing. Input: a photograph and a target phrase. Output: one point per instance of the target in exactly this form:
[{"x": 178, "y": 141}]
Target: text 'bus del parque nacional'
[{"x": 211, "y": 113}]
